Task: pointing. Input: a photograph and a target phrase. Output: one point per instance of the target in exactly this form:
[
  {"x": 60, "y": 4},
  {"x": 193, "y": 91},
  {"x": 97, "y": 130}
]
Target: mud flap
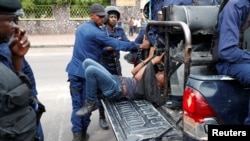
[{"x": 135, "y": 120}]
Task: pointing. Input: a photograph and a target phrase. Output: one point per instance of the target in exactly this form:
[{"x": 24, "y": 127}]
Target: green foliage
[
  {"x": 75, "y": 2},
  {"x": 28, "y": 4},
  {"x": 31, "y": 3},
  {"x": 60, "y": 2}
]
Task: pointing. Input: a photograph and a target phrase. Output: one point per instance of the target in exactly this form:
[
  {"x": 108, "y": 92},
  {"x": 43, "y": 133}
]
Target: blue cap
[{"x": 9, "y": 7}]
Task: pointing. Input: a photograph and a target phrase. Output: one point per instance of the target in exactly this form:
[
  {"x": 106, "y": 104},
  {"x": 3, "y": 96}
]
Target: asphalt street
[{"x": 49, "y": 69}]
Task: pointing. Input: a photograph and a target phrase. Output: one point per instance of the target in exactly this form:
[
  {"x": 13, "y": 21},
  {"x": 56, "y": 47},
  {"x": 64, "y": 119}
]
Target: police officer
[
  {"x": 8, "y": 13},
  {"x": 155, "y": 36},
  {"x": 89, "y": 43},
  {"x": 111, "y": 58},
  {"x": 233, "y": 61}
]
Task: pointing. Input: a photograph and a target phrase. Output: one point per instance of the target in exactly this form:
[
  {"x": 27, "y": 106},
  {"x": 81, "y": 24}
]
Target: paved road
[{"x": 49, "y": 68}]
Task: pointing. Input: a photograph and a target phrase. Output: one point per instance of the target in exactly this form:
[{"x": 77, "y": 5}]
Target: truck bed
[{"x": 140, "y": 121}]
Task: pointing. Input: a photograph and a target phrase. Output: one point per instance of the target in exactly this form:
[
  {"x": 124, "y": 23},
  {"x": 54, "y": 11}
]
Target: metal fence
[
  {"x": 78, "y": 12},
  {"x": 46, "y": 12},
  {"x": 39, "y": 12}
]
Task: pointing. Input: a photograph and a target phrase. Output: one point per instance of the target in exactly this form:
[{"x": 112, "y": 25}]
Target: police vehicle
[{"x": 196, "y": 96}]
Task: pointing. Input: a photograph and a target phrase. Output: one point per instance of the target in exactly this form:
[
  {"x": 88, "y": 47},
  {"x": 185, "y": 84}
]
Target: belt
[{"x": 124, "y": 88}]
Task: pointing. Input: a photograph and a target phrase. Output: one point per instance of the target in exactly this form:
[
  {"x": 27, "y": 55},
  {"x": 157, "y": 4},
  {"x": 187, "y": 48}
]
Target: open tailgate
[{"x": 137, "y": 120}]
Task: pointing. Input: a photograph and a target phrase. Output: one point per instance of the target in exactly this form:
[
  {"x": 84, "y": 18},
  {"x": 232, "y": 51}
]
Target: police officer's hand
[
  {"x": 145, "y": 44},
  {"x": 19, "y": 44}
]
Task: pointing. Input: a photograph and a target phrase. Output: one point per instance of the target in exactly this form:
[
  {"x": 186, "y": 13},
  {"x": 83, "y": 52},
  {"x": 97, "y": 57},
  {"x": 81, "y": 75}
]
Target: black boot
[
  {"x": 103, "y": 124},
  {"x": 87, "y": 108},
  {"x": 77, "y": 136},
  {"x": 102, "y": 119},
  {"x": 85, "y": 135}
]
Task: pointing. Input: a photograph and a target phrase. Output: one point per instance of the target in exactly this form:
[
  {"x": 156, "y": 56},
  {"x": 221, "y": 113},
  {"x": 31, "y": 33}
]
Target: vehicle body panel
[{"x": 226, "y": 96}]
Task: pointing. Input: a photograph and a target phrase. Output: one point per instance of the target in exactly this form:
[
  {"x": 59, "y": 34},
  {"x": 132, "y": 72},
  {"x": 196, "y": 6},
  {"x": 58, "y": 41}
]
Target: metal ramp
[{"x": 135, "y": 120}]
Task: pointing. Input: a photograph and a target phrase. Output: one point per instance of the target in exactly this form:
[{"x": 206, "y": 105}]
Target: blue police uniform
[
  {"x": 5, "y": 55},
  {"x": 233, "y": 61},
  {"x": 138, "y": 39},
  {"x": 133, "y": 56},
  {"x": 140, "y": 36},
  {"x": 89, "y": 43},
  {"x": 177, "y": 2},
  {"x": 156, "y": 6},
  {"x": 189, "y": 2},
  {"x": 231, "y": 17},
  {"x": 110, "y": 59}
]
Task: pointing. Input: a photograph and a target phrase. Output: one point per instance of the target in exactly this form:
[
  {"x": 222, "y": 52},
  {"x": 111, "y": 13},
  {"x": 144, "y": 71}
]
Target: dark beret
[{"x": 9, "y": 7}]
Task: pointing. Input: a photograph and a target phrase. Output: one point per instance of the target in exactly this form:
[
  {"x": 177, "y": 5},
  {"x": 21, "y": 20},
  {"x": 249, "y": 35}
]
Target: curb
[{"x": 50, "y": 46}]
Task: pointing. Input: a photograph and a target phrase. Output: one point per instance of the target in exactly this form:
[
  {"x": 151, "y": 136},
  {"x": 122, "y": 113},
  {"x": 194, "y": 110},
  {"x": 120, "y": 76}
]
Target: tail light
[
  {"x": 197, "y": 114},
  {"x": 195, "y": 106}
]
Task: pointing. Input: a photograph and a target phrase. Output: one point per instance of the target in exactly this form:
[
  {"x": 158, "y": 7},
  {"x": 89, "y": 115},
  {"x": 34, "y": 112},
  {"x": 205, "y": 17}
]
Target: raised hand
[
  {"x": 158, "y": 59},
  {"x": 19, "y": 44}
]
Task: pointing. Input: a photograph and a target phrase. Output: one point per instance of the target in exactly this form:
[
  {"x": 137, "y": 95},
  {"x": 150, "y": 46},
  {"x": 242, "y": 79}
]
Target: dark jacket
[
  {"x": 5, "y": 55},
  {"x": 111, "y": 59}
]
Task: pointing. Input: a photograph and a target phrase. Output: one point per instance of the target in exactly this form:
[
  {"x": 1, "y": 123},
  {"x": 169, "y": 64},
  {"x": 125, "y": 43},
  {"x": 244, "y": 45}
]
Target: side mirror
[{"x": 146, "y": 10}]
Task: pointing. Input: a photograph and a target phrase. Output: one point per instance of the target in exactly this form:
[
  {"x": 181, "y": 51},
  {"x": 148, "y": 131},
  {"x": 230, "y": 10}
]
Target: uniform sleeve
[
  {"x": 177, "y": 2},
  {"x": 116, "y": 44},
  {"x": 229, "y": 26},
  {"x": 140, "y": 36},
  {"x": 151, "y": 35},
  {"x": 28, "y": 71},
  {"x": 124, "y": 36}
]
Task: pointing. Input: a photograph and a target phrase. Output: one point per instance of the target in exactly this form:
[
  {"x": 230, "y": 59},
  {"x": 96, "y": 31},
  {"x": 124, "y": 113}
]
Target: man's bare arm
[
  {"x": 142, "y": 64},
  {"x": 140, "y": 68}
]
